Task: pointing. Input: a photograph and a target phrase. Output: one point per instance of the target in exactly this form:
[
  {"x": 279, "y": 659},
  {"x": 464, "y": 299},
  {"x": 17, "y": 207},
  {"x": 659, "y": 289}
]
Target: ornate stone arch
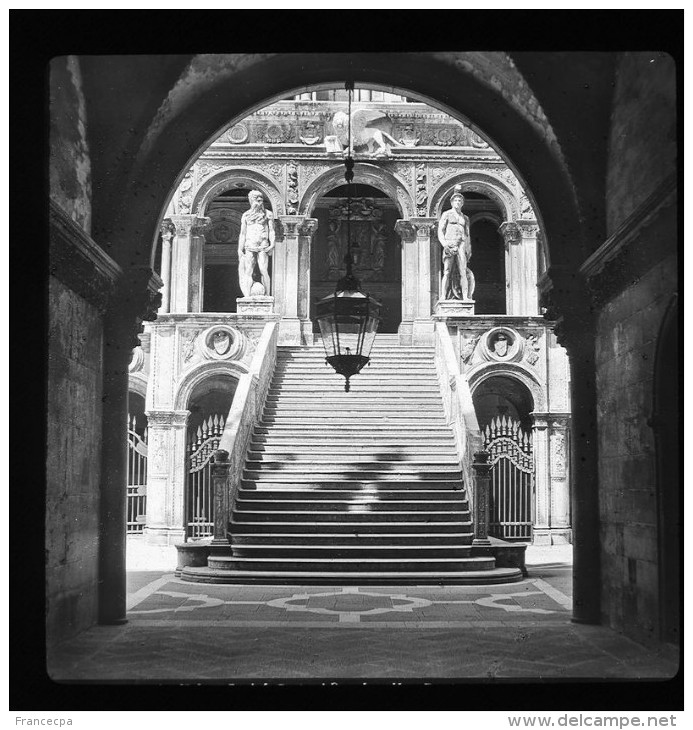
[
  {"x": 487, "y": 216},
  {"x": 364, "y": 173},
  {"x": 511, "y": 370},
  {"x": 231, "y": 177},
  {"x": 137, "y": 383},
  {"x": 479, "y": 182},
  {"x": 201, "y": 372}
]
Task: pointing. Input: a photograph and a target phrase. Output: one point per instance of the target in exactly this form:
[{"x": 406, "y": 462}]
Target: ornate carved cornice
[
  {"x": 79, "y": 262},
  {"x": 664, "y": 196}
]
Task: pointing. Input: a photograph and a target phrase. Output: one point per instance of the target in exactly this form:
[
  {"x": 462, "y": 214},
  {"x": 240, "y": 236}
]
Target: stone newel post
[
  {"x": 480, "y": 505},
  {"x": 220, "y": 480}
]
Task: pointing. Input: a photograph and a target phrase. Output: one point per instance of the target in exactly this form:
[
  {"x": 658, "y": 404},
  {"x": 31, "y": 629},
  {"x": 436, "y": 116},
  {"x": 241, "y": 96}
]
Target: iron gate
[
  {"x": 199, "y": 502},
  {"x": 512, "y": 479},
  {"x": 137, "y": 478}
]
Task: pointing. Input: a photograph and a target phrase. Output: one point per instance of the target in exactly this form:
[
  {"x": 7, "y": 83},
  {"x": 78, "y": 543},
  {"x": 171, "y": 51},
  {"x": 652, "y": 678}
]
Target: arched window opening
[
  {"x": 503, "y": 407},
  {"x": 374, "y": 248},
  {"x": 209, "y": 406}
]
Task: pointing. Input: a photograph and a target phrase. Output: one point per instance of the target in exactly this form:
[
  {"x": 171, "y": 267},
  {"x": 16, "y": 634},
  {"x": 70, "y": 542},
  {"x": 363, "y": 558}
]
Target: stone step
[
  {"x": 342, "y": 399},
  {"x": 350, "y": 552},
  {"x": 267, "y": 527},
  {"x": 413, "y": 469},
  {"x": 380, "y": 516},
  {"x": 345, "y": 538},
  {"x": 374, "y": 431},
  {"x": 337, "y": 482},
  {"x": 340, "y": 455},
  {"x": 343, "y": 505},
  {"x": 300, "y": 407},
  {"x": 403, "y": 565},
  {"x": 337, "y": 425},
  {"x": 272, "y": 443},
  {"x": 320, "y": 494},
  {"x": 327, "y": 577}
]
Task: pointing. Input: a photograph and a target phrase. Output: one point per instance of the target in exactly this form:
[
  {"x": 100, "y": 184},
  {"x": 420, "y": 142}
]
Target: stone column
[
  {"x": 527, "y": 281},
  {"x": 166, "y": 476},
  {"x": 559, "y": 459},
  {"x": 567, "y": 302},
  {"x": 417, "y": 326},
  {"x": 513, "y": 267},
  {"x": 167, "y": 231},
  {"x": 187, "y": 263},
  {"x": 134, "y": 300},
  {"x": 542, "y": 493},
  {"x": 291, "y": 278}
]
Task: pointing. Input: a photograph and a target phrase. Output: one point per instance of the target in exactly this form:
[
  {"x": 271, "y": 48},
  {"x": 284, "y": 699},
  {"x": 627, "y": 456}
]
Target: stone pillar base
[
  {"x": 405, "y": 332},
  {"x": 454, "y": 308},
  {"x": 423, "y": 332},
  {"x": 163, "y": 536},
  {"x": 552, "y": 536},
  {"x": 255, "y": 305},
  {"x": 290, "y": 331}
]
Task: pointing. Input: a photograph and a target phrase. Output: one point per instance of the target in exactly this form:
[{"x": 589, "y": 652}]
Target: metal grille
[
  {"x": 200, "y": 493},
  {"x": 137, "y": 478},
  {"x": 512, "y": 479}
]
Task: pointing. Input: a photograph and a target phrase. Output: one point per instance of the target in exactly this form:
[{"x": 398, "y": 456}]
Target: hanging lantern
[{"x": 348, "y": 319}]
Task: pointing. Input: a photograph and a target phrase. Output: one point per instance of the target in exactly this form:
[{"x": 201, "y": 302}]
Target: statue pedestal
[
  {"x": 454, "y": 308},
  {"x": 255, "y": 305}
]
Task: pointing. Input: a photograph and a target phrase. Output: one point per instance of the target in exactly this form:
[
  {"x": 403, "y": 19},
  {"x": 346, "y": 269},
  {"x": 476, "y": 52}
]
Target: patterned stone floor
[{"x": 185, "y": 631}]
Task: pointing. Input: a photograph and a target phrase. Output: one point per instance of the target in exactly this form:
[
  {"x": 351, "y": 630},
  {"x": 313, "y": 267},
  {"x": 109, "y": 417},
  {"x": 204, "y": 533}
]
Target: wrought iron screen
[
  {"x": 512, "y": 479},
  {"x": 137, "y": 478}
]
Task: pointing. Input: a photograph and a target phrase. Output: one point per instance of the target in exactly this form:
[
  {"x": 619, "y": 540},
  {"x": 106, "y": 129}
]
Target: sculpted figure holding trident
[
  {"x": 255, "y": 243},
  {"x": 453, "y": 235}
]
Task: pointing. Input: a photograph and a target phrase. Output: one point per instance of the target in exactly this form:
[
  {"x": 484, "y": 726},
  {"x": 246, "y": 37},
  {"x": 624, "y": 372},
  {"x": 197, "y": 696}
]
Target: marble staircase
[{"x": 359, "y": 487}]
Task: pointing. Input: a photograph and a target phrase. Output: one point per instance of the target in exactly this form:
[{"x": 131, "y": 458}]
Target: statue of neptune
[{"x": 255, "y": 243}]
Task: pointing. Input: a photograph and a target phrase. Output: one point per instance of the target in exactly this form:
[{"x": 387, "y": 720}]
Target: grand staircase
[{"x": 359, "y": 487}]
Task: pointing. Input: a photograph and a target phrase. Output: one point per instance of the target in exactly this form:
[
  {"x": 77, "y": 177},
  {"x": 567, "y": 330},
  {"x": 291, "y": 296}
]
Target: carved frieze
[
  {"x": 532, "y": 349},
  {"x": 467, "y": 346},
  {"x": 185, "y": 191},
  {"x": 311, "y": 131},
  {"x": 274, "y": 133},
  {"x": 421, "y": 190},
  {"x": 292, "y": 188},
  {"x": 558, "y": 455}
]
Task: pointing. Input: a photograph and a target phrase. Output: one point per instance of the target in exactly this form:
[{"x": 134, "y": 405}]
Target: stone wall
[
  {"x": 69, "y": 163},
  {"x": 642, "y": 143},
  {"x": 73, "y": 466},
  {"x": 627, "y": 332},
  {"x": 634, "y": 287}
]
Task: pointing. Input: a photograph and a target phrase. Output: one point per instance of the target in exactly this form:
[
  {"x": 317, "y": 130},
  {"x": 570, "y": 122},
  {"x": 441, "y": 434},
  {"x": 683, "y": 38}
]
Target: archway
[
  {"x": 209, "y": 403},
  {"x": 665, "y": 422},
  {"x": 374, "y": 247}
]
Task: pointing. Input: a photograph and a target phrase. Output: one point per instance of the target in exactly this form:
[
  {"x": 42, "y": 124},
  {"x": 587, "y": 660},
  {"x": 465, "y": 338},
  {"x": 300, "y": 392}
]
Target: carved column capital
[
  {"x": 540, "y": 420},
  {"x": 167, "y": 419},
  {"x": 308, "y": 227},
  {"x": 167, "y": 230},
  {"x": 510, "y": 230},
  {"x": 187, "y": 225},
  {"x": 527, "y": 228},
  {"x": 290, "y": 225},
  {"x": 406, "y": 230},
  {"x": 424, "y": 227}
]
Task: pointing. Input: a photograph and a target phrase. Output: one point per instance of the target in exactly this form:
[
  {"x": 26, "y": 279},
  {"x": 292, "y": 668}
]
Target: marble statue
[
  {"x": 453, "y": 235},
  {"x": 255, "y": 244},
  {"x": 369, "y": 127}
]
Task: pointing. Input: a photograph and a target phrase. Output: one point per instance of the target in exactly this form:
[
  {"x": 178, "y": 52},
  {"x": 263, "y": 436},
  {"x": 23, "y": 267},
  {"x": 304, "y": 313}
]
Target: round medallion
[{"x": 238, "y": 134}]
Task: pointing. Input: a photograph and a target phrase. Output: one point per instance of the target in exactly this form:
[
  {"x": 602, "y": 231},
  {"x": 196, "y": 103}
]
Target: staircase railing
[
  {"x": 245, "y": 413},
  {"x": 458, "y": 405}
]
